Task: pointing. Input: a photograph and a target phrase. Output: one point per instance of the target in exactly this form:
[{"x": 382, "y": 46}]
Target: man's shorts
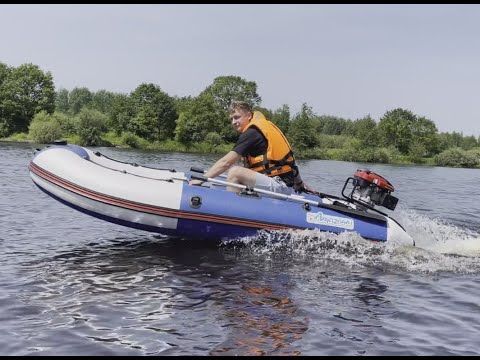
[{"x": 274, "y": 184}]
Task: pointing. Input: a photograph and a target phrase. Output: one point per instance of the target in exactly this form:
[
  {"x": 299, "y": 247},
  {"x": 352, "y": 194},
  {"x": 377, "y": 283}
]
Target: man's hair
[{"x": 242, "y": 106}]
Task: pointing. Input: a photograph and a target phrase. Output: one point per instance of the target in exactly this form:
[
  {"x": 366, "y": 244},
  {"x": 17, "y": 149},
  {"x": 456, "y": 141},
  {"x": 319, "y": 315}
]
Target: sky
[{"x": 343, "y": 60}]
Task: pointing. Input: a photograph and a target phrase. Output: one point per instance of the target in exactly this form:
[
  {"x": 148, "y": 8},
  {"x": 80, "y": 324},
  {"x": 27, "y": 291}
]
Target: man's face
[{"x": 240, "y": 120}]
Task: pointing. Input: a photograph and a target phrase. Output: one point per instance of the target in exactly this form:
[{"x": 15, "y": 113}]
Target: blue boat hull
[{"x": 162, "y": 201}]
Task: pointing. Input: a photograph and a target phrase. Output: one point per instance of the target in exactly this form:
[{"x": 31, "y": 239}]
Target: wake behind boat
[{"x": 162, "y": 200}]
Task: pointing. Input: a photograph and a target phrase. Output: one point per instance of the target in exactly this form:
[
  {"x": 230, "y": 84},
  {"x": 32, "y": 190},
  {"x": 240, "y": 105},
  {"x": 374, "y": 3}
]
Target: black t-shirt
[{"x": 253, "y": 143}]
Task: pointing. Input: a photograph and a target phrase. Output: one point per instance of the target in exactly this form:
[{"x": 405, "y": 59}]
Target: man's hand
[
  {"x": 299, "y": 187},
  {"x": 196, "y": 182}
]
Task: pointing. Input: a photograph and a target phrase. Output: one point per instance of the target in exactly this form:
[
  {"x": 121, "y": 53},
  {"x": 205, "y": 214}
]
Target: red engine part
[{"x": 374, "y": 178}]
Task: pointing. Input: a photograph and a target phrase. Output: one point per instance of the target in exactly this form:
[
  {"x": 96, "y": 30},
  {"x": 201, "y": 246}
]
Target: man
[{"x": 266, "y": 154}]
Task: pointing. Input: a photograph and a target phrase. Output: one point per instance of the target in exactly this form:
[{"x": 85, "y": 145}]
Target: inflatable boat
[{"x": 163, "y": 201}]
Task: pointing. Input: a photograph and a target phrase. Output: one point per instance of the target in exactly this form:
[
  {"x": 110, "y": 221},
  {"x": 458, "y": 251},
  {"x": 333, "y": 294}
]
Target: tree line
[{"x": 148, "y": 117}]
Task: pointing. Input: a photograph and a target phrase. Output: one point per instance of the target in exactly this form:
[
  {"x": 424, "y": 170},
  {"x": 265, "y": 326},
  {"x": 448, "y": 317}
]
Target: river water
[{"x": 75, "y": 285}]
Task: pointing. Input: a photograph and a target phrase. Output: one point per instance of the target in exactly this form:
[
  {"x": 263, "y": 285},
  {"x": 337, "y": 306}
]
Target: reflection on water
[
  {"x": 108, "y": 291},
  {"x": 263, "y": 321}
]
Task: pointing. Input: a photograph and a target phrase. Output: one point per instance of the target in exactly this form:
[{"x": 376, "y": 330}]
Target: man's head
[{"x": 240, "y": 113}]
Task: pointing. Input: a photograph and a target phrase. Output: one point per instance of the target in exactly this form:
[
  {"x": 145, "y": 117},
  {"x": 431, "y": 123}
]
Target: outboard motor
[{"x": 370, "y": 189}]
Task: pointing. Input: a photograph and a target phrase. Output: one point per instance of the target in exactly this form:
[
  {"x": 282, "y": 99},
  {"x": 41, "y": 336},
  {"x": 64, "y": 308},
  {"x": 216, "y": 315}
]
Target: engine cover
[{"x": 370, "y": 189}]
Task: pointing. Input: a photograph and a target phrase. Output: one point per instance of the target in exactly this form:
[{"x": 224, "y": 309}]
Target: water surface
[{"x": 75, "y": 285}]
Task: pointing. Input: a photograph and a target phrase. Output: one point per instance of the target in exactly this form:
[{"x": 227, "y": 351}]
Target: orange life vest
[{"x": 278, "y": 158}]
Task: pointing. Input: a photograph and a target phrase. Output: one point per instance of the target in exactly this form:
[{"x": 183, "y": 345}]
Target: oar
[{"x": 261, "y": 191}]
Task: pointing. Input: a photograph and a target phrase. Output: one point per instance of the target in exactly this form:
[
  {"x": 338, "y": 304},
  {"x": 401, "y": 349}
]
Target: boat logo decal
[{"x": 329, "y": 220}]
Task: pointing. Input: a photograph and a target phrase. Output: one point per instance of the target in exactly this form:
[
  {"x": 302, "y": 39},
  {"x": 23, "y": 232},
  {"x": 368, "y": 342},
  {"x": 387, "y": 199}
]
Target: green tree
[
  {"x": 224, "y": 89},
  {"x": 79, "y": 98},
  {"x": 455, "y": 139},
  {"x": 6, "y": 123},
  {"x": 182, "y": 103},
  {"x": 121, "y": 113},
  {"x": 4, "y": 70},
  {"x": 396, "y": 127},
  {"x": 281, "y": 118},
  {"x": 62, "y": 102},
  {"x": 365, "y": 130},
  {"x": 154, "y": 111},
  {"x": 102, "y": 100},
  {"x": 25, "y": 91},
  {"x": 333, "y": 125},
  {"x": 447, "y": 140},
  {"x": 468, "y": 142},
  {"x": 301, "y": 133},
  {"x": 199, "y": 117},
  {"x": 425, "y": 133}
]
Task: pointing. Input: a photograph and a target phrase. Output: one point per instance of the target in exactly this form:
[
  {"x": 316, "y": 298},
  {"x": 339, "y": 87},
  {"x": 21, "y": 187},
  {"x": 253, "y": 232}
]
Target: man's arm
[{"x": 223, "y": 164}]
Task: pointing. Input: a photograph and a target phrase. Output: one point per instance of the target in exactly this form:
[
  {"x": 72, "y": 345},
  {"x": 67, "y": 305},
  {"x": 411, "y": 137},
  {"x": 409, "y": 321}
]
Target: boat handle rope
[
  {"x": 99, "y": 154},
  {"x": 170, "y": 179}
]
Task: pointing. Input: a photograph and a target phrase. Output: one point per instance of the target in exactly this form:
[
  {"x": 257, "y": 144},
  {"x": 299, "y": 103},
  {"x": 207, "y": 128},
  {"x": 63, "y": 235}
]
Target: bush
[
  {"x": 457, "y": 157},
  {"x": 314, "y": 153},
  {"x": 130, "y": 140},
  {"x": 167, "y": 145},
  {"x": 45, "y": 132},
  {"x": 355, "y": 150},
  {"x": 67, "y": 123},
  {"x": 213, "y": 138},
  {"x": 332, "y": 141},
  {"x": 376, "y": 155},
  {"x": 90, "y": 124},
  {"x": 45, "y": 128},
  {"x": 213, "y": 141},
  {"x": 475, "y": 152}
]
